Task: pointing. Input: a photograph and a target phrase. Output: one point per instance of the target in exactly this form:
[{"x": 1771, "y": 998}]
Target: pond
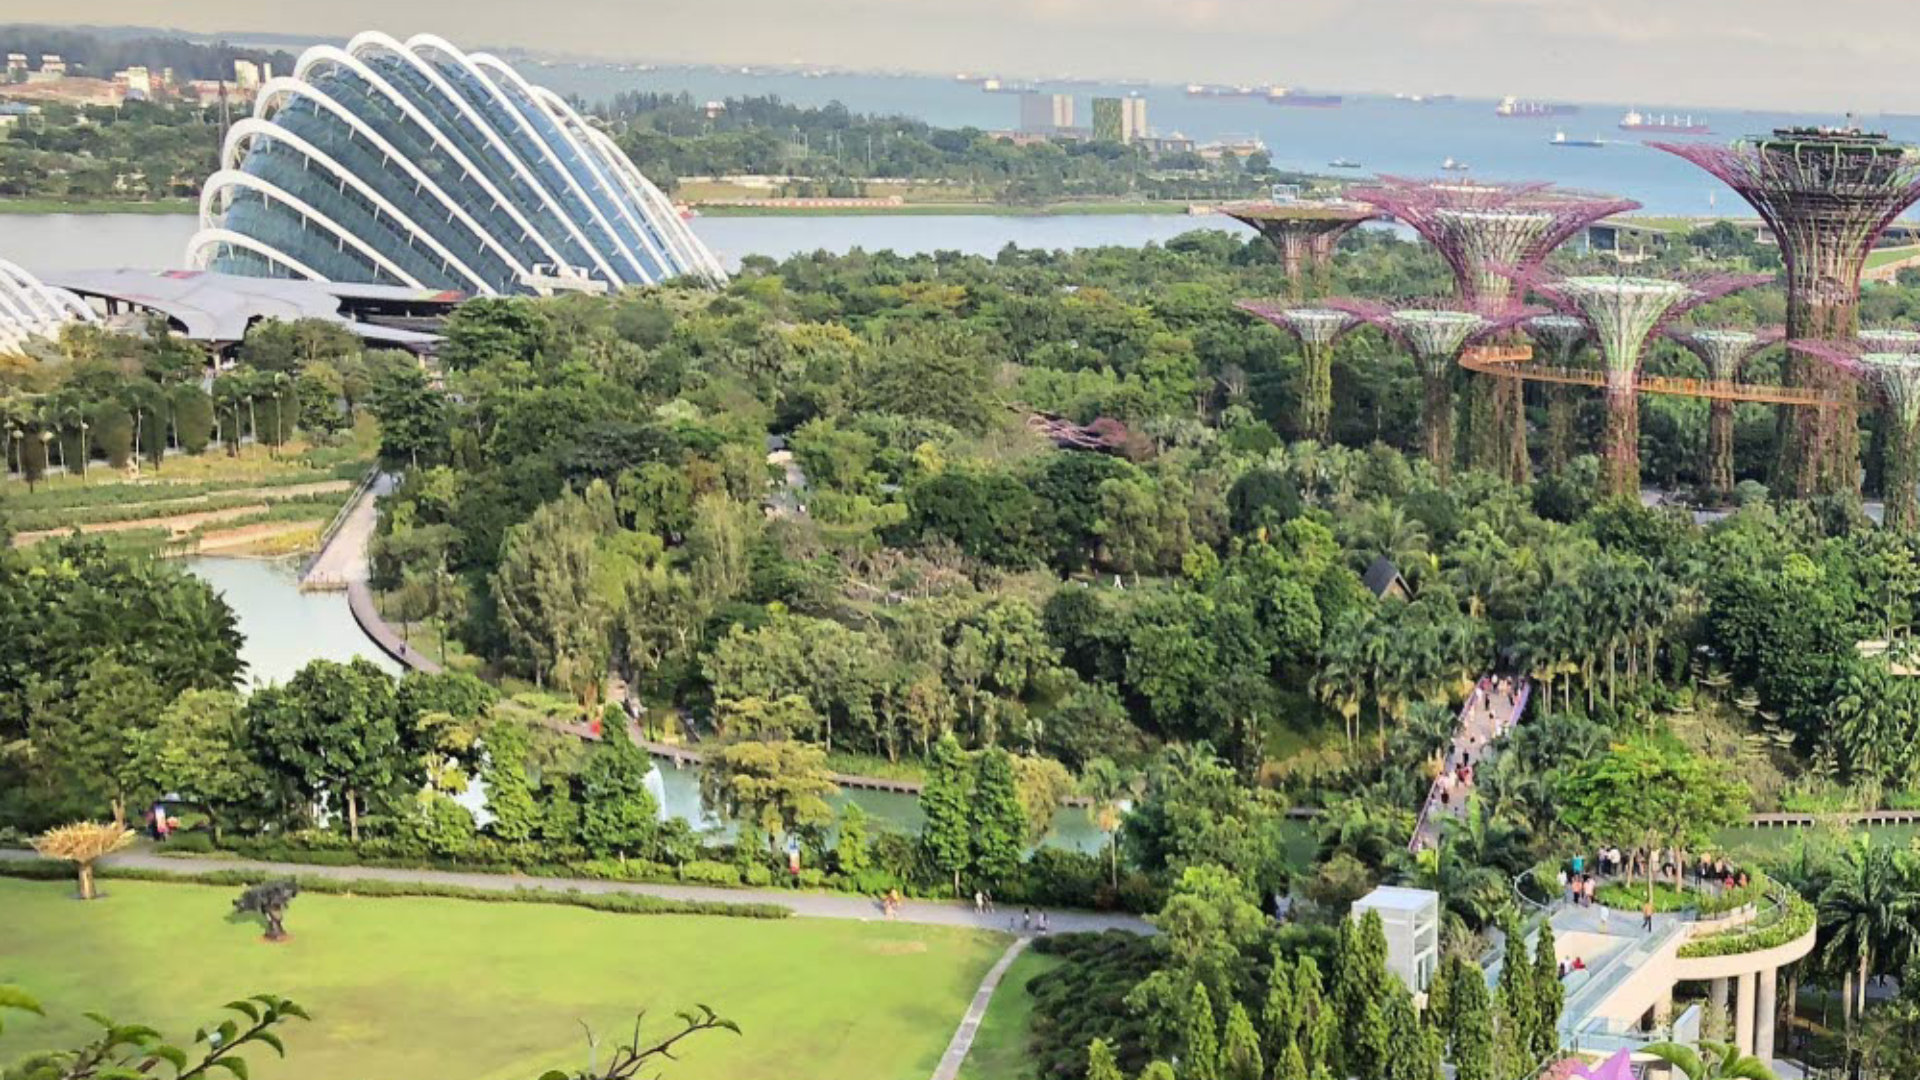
[{"x": 284, "y": 628}]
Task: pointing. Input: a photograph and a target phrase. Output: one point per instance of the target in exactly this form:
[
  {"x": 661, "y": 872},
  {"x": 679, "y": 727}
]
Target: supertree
[
  {"x": 1564, "y": 338},
  {"x": 1434, "y": 332},
  {"x": 1489, "y": 234},
  {"x": 1897, "y": 376},
  {"x": 1304, "y": 233},
  {"x": 1723, "y": 350},
  {"x": 1624, "y": 314},
  {"x": 1317, "y": 328},
  {"x": 1827, "y": 194}
]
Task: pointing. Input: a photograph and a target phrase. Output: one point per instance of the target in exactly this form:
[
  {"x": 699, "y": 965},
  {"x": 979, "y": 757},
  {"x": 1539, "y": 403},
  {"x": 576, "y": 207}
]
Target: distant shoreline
[
  {"x": 948, "y": 210},
  {"x": 35, "y": 205}
]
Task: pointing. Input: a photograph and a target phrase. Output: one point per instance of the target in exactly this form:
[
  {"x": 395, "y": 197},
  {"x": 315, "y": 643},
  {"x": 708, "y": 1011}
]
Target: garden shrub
[{"x": 708, "y": 872}]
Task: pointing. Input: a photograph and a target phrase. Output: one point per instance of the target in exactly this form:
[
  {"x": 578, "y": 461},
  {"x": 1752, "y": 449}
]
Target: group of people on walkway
[{"x": 1489, "y": 715}]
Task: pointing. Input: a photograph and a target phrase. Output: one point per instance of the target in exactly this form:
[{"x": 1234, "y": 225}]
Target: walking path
[
  {"x": 956, "y": 1054},
  {"x": 809, "y": 905},
  {"x": 1491, "y": 711},
  {"x": 343, "y": 561}
]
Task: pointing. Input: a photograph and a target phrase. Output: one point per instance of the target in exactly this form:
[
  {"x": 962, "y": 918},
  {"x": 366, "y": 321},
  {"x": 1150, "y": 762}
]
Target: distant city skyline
[{"x": 1708, "y": 53}]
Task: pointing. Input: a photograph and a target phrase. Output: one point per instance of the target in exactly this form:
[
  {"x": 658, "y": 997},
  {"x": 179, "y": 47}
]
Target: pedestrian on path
[
  {"x": 1026, "y": 918},
  {"x": 979, "y": 902},
  {"x": 1646, "y": 915}
]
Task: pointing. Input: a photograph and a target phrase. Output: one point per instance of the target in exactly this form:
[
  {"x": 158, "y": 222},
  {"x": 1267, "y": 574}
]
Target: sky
[{"x": 1838, "y": 56}]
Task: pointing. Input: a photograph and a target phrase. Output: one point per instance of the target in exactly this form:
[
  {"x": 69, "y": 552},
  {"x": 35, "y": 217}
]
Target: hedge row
[
  {"x": 1795, "y": 919},
  {"x": 621, "y": 903}
]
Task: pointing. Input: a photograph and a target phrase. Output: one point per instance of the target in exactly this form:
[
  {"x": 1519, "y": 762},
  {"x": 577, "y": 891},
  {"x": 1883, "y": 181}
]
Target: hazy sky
[{"x": 1843, "y": 54}]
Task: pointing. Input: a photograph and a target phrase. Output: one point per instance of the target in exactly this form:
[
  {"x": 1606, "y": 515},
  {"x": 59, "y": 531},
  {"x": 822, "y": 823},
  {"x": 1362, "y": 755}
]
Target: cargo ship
[
  {"x": 1670, "y": 125},
  {"x": 1515, "y": 109},
  {"x": 1560, "y": 139},
  {"x": 995, "y": 86},
  {"x": 1343, "y": 163},
  {"x": 1219, "y": 91},
  {"x": 1281, "y": 95}
]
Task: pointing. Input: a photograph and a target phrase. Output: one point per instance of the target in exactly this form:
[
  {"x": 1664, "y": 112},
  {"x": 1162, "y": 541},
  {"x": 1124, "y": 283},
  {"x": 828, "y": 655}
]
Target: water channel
[{"x": 284, "y": 628}]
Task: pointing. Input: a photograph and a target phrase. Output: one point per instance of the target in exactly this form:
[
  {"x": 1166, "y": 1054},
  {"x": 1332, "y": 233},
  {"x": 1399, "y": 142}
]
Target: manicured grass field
[
  {"x": 1000, "y": 1046},
  {"x": 429, "y": 989}
]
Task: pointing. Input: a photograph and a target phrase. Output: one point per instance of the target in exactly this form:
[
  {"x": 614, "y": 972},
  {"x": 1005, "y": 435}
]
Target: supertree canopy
[
  {"x": 1317, "y": 328},
  {"x": 1304, "y": 233},
  {"x": 1434, "y": 332},
  {"x": 1827, "y": 194},
  {"x": 1896, "y": 375},
  {"x": 1625, "y": 313},
  {"x": 1564, "y": 338},
  {"x": 1723, "y": 351},
  {"x": 1488, "y": 233}
]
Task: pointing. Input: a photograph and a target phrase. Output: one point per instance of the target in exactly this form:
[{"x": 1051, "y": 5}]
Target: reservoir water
[
  {"x": 284, "y": 628},
  {"x": 50, "y": 243}
]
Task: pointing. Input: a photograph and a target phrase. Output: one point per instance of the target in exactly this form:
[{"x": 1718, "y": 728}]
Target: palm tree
[
  {"x": 1107, "y": 784},
  {"x": 1713, "y": 1061},
  {"x": 1865, "y": 913}
]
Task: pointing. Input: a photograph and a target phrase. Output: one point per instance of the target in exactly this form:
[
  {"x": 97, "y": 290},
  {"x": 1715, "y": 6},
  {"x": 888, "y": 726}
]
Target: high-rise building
[
  {"x": 1120, "y": 120},
  {"x": 16, "y": 66},
  {"x": 246, "y": 74},
  {"x": 1045, "y": 114},
  {"x": 51, "y": 64}
]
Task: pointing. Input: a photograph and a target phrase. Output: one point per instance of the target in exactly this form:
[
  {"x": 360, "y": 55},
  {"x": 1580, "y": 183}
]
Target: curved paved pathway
[
  {"x": 805, "y": 904},
  {"x": 956, "y": 1054}
]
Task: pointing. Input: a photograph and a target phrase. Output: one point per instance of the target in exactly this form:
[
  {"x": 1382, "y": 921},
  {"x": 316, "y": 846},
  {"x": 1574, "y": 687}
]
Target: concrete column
[
  {"x": 1743, "y": 1014},
  {"x": 1765, "y": 1005},
  {"x": 1717, "y": 997}
]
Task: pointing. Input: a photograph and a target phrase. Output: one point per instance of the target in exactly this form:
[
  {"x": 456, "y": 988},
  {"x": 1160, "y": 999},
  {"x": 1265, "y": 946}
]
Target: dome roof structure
[
  {"x": 30, "y": 308},
  {"x": 416, "y": 164}
]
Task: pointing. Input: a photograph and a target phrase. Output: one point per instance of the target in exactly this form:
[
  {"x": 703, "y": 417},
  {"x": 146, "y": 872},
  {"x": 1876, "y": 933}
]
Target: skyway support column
[
  {"x": 1743, "y": 1014},
  {"x": 1764, "y": 1007}
]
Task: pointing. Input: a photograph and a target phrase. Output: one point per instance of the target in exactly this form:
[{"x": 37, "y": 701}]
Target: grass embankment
[
  {"x": 41, "y": 205},
  {"x": 1000, "y": 1048},
  {"x": 431, "y": 988}
]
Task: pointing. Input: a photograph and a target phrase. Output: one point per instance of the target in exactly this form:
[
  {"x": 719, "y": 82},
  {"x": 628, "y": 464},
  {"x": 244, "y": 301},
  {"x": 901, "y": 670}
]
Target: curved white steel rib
[
  {"x": 281, "y": 87},
  {"x": 595, "y": 210},
  {"x": 376, "y": 40},
  {"x": 428, "y": 41},
  {"x": 254, "y": 126},
  {"x": 209, "y": 238},
  {"x": 55, "y": 299},
  {"x": 224, "y": 181},
  {"x": 568, "y": 125},
  {"x": 575, "y": 128}
]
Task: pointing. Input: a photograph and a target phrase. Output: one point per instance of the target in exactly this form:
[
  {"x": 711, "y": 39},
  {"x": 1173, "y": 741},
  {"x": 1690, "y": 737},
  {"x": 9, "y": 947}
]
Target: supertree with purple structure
[
  {"x": 1435, "y": 332},
  {"x": 1563, "y": 337},
  {"x": 1317, "y": 328},
  {"x": 1724, "y": 350},
  {"x": 1304, "y": 233},
  {"x": 1896, "y": 374},
  {"x": 1489, "y": 234},
  {"x": 1624, "y": 314},
  {"x": 1827, "y": 194}
]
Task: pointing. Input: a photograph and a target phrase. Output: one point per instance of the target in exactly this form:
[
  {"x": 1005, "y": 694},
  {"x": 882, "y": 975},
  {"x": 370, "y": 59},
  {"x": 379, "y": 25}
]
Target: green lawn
[
  {"x": 50, "y": 205},
  {"x": 1000, "y": 1046},
  {"x": 426, "y": 989}
]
